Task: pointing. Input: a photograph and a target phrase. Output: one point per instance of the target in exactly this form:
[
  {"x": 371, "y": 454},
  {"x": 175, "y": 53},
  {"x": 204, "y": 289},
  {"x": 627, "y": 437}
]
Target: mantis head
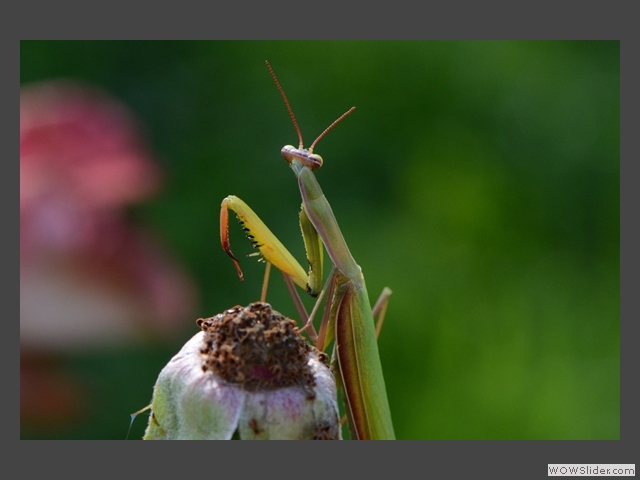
[{"x": 311, "y": 160}]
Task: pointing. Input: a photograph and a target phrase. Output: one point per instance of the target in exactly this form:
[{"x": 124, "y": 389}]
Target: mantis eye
[
  {"x": 315, "y": 161},
  {"x": 310, "y": 160}
]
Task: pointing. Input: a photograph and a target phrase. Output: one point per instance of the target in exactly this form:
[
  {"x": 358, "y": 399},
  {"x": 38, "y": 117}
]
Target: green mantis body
[{"x": 348, "y": 316}]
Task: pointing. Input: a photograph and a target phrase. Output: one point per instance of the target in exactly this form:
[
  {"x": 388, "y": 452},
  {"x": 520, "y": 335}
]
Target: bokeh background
[{"x": 478, "y": 180}]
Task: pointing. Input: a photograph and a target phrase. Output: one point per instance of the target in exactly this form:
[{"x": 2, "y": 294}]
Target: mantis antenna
[
  {"x": 293, "y": 117},
  {"x": 326, "y": 130},
  {"x": 286, "y": 102}
]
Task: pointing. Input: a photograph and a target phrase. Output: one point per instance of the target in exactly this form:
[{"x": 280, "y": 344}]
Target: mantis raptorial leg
[{"x": 348, "y": 317}]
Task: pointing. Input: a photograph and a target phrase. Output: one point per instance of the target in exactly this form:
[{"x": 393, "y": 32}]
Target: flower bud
[{"x": 248, "y": 371}]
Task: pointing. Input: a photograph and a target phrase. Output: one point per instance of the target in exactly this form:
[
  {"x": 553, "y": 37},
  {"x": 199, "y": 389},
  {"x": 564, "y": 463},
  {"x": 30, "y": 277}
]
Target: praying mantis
[{"x": 348, "y": 317}]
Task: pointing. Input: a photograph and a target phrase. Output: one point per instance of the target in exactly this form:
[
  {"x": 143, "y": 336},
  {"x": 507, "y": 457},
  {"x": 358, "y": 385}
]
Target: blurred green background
[{"x": 478, "y": 180}]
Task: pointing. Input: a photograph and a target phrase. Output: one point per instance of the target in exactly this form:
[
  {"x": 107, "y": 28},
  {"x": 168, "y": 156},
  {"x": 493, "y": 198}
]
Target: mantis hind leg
[{"x": 379, "y": 310}]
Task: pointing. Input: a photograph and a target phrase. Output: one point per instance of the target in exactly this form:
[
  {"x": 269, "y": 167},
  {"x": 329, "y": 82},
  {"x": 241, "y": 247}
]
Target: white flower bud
[{"x": 249, "y": 371}]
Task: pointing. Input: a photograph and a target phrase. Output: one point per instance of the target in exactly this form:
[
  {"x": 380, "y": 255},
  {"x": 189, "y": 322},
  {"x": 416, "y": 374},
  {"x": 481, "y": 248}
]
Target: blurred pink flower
[{"x": 88, "y": 275}]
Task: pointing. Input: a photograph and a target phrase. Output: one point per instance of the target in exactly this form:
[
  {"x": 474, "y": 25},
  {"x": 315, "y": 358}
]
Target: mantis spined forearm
[{"x": 349, "y": 318}]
